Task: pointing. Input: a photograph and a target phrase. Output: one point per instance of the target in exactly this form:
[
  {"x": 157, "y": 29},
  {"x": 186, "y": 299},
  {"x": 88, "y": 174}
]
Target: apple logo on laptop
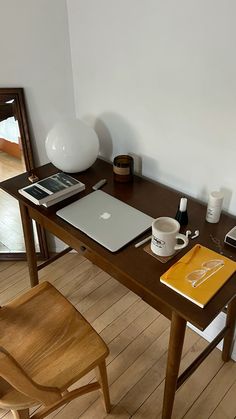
[{"x": 105, "y": 215}]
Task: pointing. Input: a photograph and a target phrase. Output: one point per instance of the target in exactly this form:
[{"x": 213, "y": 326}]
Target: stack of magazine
[{"x": 52, "y": 189}]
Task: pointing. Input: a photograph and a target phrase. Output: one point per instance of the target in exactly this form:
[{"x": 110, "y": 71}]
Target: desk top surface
[{"x": 134, "y": 267}]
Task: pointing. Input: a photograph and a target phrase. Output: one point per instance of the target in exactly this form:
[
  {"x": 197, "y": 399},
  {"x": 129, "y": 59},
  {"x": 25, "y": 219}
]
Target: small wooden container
[{"x": 123, "y": 167}]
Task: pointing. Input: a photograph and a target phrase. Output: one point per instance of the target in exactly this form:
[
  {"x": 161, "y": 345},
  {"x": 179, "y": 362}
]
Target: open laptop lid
[{"x": 107, "y": 220}]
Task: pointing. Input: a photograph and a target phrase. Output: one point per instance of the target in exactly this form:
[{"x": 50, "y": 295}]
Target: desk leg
[
  {"x": 29, "y": 244},
  {"x": 177, "y": 333},
  {"x": 230, "y": 323}
]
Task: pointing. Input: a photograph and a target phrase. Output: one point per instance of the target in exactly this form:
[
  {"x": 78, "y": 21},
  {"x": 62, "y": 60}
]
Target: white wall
[
  {"x": 157, "y": 78},
  {"x": 35, "y": 55}
]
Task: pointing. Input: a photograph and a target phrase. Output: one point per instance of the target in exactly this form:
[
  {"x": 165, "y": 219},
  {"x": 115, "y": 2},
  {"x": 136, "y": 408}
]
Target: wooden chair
[{"x": 45, "y": 346}]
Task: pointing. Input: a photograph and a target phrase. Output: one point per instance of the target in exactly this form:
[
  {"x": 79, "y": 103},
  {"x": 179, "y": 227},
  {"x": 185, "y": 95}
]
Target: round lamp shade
[{"x": 72, "y": 146}]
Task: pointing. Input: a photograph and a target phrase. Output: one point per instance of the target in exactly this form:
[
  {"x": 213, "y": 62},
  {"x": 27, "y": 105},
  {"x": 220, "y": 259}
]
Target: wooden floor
[
  {"x": 138, "y": 338},
  {"x": 11, "y": 234},
  {"x": 10, "y": 166}
]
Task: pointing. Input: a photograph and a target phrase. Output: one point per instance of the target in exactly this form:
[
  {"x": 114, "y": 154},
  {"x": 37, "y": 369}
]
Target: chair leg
[
  {"x": 102, "y": 378},
  {"x": 20, "y": 414}
]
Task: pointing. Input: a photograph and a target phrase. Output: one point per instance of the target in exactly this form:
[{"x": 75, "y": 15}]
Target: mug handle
[{"x": 185, "y": 241}]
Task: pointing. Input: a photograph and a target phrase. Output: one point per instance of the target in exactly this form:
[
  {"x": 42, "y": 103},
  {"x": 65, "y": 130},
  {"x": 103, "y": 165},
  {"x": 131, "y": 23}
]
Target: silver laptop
[{"x": 107, "y": 220}]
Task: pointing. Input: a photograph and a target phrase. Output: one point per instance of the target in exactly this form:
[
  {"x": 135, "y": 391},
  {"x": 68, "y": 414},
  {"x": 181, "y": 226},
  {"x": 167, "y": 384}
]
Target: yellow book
[{"x": 199, "y": 274}]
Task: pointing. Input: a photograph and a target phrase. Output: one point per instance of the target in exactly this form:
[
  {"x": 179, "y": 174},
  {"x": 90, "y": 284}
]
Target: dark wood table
[{"x": 135, "y": 268}]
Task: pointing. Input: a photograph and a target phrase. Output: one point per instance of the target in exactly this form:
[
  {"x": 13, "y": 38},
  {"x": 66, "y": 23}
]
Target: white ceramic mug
[{"x": 165, "y": 232}]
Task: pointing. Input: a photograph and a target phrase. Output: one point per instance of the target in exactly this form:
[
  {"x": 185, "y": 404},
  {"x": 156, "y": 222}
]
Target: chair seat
[{"x": 50, "y": 339}]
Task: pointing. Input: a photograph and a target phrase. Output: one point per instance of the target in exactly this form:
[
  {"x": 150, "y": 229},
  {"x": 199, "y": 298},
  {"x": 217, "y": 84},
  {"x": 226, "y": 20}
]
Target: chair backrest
[
  {"x": 26, "y": 390},
  {"x": 39, "y": 329}
]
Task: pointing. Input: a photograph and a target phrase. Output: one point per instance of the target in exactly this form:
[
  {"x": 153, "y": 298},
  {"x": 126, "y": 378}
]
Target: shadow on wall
[
  {"x": 203, "y": 196},
  {"x": 117, "y": 136},
  {"x": 104, "y": 132}
]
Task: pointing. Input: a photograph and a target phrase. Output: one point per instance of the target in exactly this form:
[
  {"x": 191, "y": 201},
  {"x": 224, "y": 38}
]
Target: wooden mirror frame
[{"x": 17, "y": 94}]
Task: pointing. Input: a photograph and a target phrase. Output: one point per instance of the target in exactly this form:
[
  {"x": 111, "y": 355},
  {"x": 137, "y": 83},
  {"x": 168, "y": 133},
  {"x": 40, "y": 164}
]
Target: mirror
[{"x": 16, "y": 157}]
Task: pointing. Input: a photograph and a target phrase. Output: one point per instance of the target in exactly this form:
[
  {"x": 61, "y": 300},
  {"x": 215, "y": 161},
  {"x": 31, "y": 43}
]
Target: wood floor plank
[
  {"x": 79, "y": 276},
  {"x": 137, "y": 337},
  {"x": 123, "y": 320},
  {"x": 152, "y": 379},
  {"x": 198, "y": 382},
  {"x": 133, "y": 341},
  {"x": 135, "y": 372},
  {"x": 227, "y": 407},
  {"x": 9, "y": 270},
  {"x": 10, "y": 293},
  {"x": 216, "y": 389},
  {"x": 91, "y": 290},
  {"x": 67, "y": 278},
  {"x": 113, "y": 311},
  {"x": 4, "y": 265},
  {"x": 113, "y": 291},
  {"x": 153, "y": 404},
  {"x": 61, "y": 266}
]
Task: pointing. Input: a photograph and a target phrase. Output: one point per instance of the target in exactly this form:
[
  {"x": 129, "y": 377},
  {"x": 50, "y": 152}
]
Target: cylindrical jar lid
[
  {"x": 216, "y": 198},
  {"x": 123, "y": 160}
]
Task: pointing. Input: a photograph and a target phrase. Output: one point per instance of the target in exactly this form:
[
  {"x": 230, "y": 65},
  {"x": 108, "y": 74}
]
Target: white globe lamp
[{"x": 72, "y": 146}]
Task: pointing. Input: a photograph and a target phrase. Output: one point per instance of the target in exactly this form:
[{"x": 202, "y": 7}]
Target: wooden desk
[{"x": 135, "y": 268}]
